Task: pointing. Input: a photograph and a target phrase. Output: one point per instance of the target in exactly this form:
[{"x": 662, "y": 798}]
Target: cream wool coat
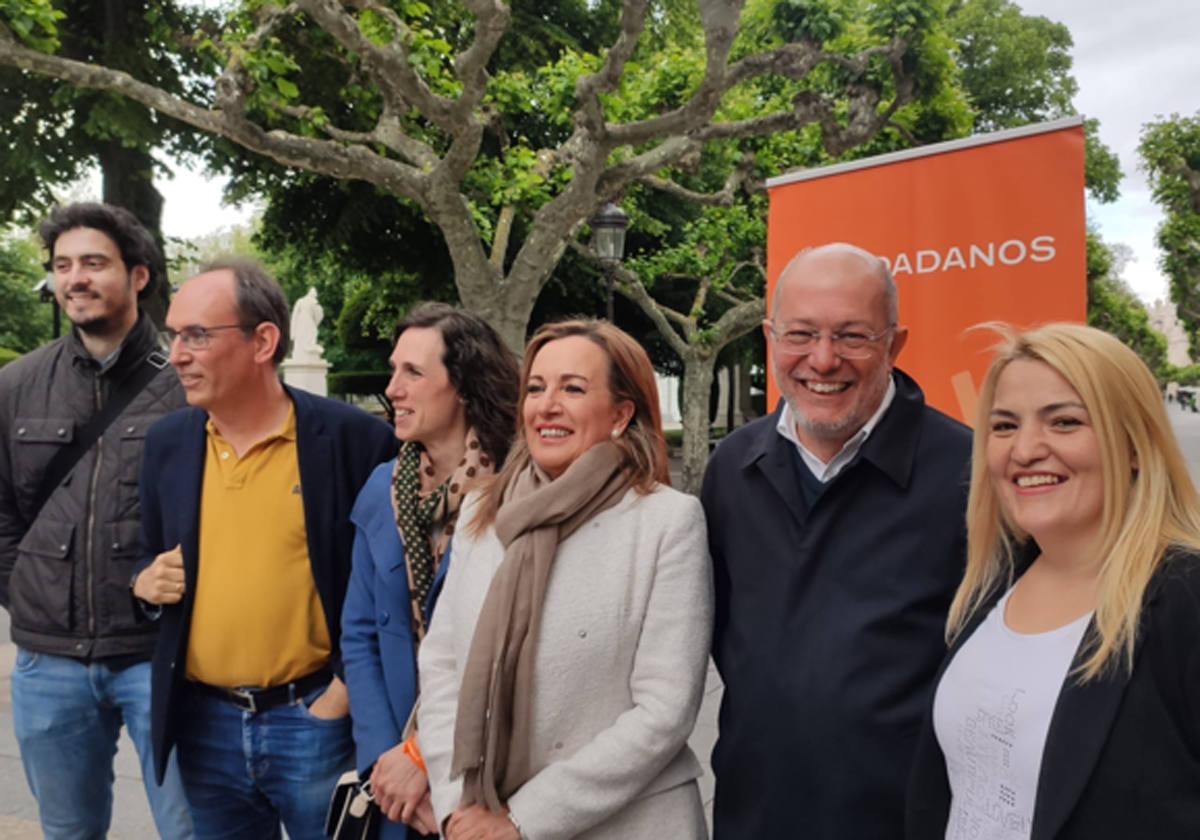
[{"x": 618, "y": 678}]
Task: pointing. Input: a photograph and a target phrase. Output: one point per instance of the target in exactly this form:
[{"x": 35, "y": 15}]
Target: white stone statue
[{"x": 306, "y": 317}]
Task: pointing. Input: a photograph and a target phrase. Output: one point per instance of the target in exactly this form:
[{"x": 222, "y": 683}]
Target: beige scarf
[{"x": 492, "y": 732}]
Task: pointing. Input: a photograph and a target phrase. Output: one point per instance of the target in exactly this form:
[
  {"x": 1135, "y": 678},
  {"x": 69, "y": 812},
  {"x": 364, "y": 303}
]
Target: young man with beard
[
  {"x": 836, "y": 531},
  {"x": 73, "y": 417}
]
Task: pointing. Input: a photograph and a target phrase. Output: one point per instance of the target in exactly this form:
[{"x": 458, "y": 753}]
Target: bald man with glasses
[{"x": 836, "y": 531}]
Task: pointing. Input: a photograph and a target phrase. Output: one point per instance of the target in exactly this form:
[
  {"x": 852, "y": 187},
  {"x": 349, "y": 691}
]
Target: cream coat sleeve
[{"x": 645, "y": 747}]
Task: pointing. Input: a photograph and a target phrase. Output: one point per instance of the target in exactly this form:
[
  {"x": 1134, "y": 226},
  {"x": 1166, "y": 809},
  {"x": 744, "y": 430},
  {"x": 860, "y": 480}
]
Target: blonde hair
[
  {"x": 1150, "y": 503},
  {"x": 630, "y": 379}
]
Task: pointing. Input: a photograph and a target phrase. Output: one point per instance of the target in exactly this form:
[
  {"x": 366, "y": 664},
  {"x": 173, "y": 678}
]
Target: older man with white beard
[{"x": 836, "y": 531}]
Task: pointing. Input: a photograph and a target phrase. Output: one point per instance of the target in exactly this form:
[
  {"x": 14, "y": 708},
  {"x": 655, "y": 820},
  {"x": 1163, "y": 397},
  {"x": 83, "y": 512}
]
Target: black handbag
[{"x": 353, "y": 814}]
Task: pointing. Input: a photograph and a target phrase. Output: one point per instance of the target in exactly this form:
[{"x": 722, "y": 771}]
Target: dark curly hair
[
  {"x": 482, "y": 370},
  {"x": 135, "y": 243}
]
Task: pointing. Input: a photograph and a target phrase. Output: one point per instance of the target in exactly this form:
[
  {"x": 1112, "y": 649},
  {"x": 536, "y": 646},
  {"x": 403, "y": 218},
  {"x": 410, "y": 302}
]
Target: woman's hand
[
  {"x": 402, "y": 790},
  {"x": 478, "y": 823}
]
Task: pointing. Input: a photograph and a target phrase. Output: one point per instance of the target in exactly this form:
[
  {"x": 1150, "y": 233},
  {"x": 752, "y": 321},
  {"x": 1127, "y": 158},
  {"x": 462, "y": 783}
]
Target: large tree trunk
[
  {"x": 129, "y": 172},
  {"x": 698, "y": 372},
  {"x": 509, "y": 318},
  {"x": 129, "y": 183},
  {"x": 744, "y": 399}
]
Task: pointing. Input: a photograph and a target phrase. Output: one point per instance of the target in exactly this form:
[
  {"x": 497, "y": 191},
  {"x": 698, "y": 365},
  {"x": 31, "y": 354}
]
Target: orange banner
[{"x": 986, "y": 229}]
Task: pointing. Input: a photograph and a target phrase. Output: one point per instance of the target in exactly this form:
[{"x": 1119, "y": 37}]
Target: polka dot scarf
[{"x": 426, "y": 520}]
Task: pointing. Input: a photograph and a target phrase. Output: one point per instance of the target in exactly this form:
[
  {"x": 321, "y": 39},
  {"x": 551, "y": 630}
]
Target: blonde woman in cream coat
[{"x": 619, "y": 659}]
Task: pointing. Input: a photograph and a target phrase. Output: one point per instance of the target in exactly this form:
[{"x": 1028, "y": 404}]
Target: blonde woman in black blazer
[{"x": 1069, "y": 703}]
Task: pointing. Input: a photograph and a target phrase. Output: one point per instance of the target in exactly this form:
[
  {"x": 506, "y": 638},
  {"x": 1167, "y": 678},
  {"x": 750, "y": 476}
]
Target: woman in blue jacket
[{"x": 454, "y": 393}]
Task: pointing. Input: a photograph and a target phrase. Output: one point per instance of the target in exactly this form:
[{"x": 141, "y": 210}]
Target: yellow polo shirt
[{"x": 257, "y": 619}]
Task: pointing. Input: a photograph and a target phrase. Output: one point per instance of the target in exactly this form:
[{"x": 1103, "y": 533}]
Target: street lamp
[
  {"x": 45, "y": 292},
  {"x": 608, "y": 241}
]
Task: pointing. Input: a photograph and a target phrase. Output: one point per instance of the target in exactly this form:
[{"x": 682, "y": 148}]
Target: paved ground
[{"x": 131, "y": 816}]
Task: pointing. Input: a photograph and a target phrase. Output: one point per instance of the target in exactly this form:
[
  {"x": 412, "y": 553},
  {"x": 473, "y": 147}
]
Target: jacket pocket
[
  {"x": 117, "y": 610},
  {"x": 131, "y": 445},
  {"x": 35, "y": 441},
  {"x": 41, "y": 592}
]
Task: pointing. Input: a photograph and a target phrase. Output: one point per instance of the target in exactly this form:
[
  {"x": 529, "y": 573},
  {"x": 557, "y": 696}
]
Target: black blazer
[
  {"x": 1122, "y": 756},
  {"x": 337, "y": 446},
  {"x": 830, "y": 621}
]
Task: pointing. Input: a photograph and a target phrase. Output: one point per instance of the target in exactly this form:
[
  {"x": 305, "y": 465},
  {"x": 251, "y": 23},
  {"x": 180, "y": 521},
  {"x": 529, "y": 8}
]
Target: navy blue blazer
[
  {"x": 378, "y": 649},
  {"x": 1122, "y": 755},
  {"x": 830, "y": 621},
  {"x": 337, "y": 446}
]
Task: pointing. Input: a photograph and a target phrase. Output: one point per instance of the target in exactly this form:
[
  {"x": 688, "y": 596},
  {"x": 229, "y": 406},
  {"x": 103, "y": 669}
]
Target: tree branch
[
  {"x": 504, "y": 225},
  {"x": 630, "y": 285},
  {"x": 739, "y": 176},
  {"x": 389, "y": 67},
  {"x": 326, "y": 157},
  {"x": 491, "y": 22},
  {"x": 605, "y": 80},
  {"x": 735, "y": 299},
  {"x": 741, "y": 319},
  {"x": 720, "y": 21}
]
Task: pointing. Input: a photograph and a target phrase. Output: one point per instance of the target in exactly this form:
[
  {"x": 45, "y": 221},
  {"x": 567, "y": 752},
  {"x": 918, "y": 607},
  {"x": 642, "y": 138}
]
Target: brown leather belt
[{"x": 255, "y": 700}]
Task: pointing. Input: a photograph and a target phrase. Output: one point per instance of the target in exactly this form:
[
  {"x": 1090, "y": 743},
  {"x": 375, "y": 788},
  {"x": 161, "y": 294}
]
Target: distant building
[{"x": 1163, "y": 319}]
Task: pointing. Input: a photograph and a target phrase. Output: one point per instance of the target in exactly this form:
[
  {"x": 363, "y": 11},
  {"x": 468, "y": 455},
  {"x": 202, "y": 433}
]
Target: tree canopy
[
  {"x": 1170, "y": 153},
  {"x": 24, "y": 319},
  {"x": 509, "y": 163},
  {"x": 53, "y": 133}
]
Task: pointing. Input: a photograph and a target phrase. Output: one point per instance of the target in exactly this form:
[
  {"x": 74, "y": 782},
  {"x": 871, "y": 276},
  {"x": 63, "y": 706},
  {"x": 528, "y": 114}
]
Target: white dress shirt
[{"x": 827, "y": 472}]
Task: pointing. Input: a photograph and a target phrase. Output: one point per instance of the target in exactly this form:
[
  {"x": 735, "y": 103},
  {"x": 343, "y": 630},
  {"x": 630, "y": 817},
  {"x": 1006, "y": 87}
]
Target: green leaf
[{"x": 286, "y": 88}]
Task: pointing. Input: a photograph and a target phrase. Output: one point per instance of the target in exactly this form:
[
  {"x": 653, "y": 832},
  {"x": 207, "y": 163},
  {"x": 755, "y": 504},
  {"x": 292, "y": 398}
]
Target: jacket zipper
[{"x": 91, "y": 525}]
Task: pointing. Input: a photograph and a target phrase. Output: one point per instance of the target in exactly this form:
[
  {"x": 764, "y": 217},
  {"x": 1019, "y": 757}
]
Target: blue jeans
[
  {"x": 67, "y": 715},
  {"x": 244, "y": 773}
]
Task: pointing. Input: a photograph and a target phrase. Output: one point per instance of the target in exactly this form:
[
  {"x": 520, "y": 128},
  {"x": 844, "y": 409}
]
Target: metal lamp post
[
  {"x": 608, "y": 241},
  {"x": 45, "y": 292}
]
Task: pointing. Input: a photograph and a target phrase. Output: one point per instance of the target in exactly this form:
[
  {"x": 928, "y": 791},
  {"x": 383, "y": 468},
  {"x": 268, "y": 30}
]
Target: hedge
[{"x": 358, "y": 382}]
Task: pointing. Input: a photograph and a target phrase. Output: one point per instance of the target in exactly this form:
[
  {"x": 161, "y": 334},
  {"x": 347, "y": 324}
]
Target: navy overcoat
[{"x": 830, "y": 621}]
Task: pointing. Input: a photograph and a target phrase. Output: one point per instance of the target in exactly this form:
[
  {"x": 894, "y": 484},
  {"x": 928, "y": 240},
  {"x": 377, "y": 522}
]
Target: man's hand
[
  {"x": 162, "y": 581},
  {"x": 401, "y": 789},
  {"x": 478, "y": 823},
  {"x": 334, "y": 702}
]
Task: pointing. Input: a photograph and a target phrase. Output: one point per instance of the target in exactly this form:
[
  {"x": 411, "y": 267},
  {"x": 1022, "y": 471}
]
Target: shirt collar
[
  {"x": 827, "y": 472},
  {"x": 285, "y": 432}
]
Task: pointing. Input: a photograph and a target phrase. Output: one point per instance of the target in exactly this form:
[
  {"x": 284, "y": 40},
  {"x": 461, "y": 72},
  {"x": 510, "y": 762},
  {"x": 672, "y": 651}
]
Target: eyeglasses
[
  {"x": 851, "y": 344},
  {"x": 197, "y": 338}
]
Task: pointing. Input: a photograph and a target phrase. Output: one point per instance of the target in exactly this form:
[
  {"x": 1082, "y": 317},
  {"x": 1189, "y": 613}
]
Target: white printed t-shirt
[{"x": 991, "y": 713}]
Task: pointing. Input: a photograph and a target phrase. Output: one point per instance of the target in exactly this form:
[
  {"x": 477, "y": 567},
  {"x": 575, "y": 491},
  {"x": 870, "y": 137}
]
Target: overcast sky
[{"x": 1134, "y": 61}]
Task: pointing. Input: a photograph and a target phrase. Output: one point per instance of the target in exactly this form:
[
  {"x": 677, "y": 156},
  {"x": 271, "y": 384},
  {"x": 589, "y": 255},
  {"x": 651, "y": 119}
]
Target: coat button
[
  {"x": 384, "y": 618},
  {"x": 21, "y": 432},
  {"x": 61, "y": 433},
  {"x": 116, "y": 546},
  {"x": 583, "y": 634},
  {"x": 63, "y": 547},
  {"x": 558, "y": 745},
  {"x": 129, "y": 430}
]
